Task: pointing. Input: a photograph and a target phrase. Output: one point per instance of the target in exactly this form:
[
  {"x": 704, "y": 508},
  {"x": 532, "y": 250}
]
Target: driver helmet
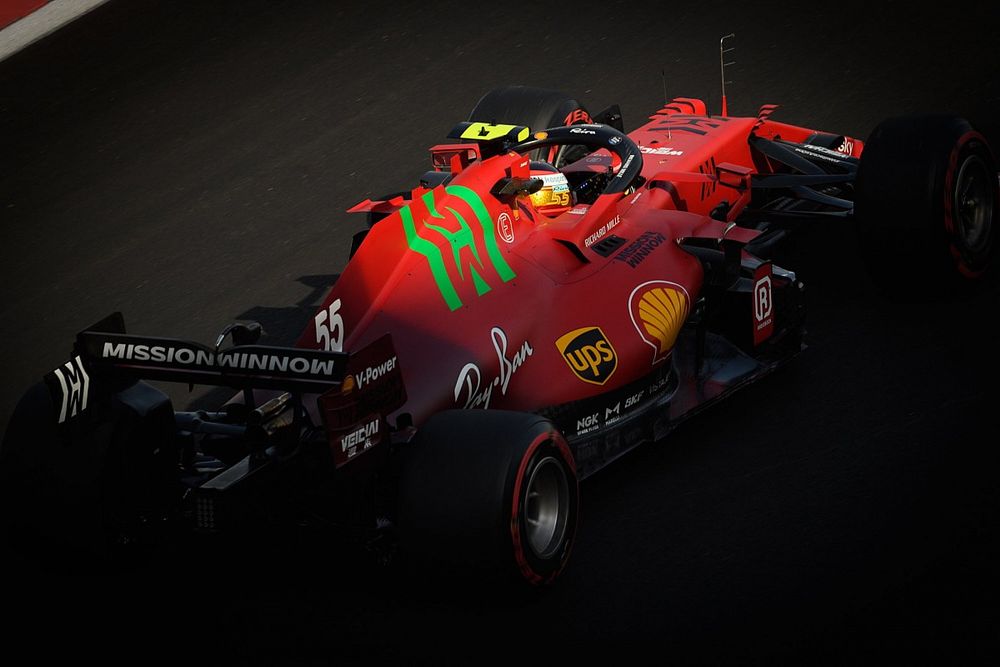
[{"x": 554, "y": 198}]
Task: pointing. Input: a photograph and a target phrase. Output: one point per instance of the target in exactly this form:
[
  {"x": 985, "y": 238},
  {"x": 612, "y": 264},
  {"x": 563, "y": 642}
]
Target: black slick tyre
[
  {"x": 926, "y": 202},
  {"x": 492, "y": 493},
  {"x": 538, "y": 109},
  {"x": 78, "y": 498}
]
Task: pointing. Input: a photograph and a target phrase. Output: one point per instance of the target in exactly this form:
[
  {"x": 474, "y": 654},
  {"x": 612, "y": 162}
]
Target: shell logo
[{"x": 658, "y": 309}]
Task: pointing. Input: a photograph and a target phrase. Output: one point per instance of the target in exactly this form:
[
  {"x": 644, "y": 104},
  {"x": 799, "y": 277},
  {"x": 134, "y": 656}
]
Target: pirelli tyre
[
  {"x": 926, "y": 198},
  {"x": 538, "y": 109},
  {"x": 490, "y": 492}
]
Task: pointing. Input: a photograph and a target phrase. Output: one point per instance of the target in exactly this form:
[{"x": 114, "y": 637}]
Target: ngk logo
[{"x": 588, "y": 424}]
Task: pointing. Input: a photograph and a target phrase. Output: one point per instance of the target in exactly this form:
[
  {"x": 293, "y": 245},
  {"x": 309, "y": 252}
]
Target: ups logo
[{"x": 589, "y": 354}]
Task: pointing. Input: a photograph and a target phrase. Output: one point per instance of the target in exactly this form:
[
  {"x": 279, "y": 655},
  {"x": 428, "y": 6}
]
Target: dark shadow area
[
  {"x": 284, "y": 324},
  {"x": 162, "y": 158},
  {"x": 282, "y": 327}
]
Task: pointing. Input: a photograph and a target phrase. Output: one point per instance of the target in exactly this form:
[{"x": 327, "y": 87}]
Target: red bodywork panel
[{"x": 493, "y": 305}]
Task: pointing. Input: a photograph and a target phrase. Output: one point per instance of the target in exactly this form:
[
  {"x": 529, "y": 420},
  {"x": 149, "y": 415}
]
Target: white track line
[{"x": 41, "y": 22}]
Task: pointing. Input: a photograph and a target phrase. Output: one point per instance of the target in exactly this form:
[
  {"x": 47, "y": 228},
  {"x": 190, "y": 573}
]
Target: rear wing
[
  {"x": 106, "y": 361},
  {"x": 105, "y": 348}
]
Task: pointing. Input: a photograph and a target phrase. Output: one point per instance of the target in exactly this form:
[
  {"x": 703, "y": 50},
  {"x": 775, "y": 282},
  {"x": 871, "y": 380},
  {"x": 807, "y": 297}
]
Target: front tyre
[
  {"x": 492, "y": 492},
  {"x": 926, "y": 203}
]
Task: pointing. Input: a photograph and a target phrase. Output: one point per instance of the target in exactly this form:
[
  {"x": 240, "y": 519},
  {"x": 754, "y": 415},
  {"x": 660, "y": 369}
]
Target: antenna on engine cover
[
  {"x": 722, "y": 66},
  {"x": 663, "y": 75}
]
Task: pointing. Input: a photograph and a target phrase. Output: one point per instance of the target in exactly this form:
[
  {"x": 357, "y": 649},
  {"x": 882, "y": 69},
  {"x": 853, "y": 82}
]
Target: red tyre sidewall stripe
[
  {"x": 949, "y": 200},
  {"x": 520, "y": 556}
]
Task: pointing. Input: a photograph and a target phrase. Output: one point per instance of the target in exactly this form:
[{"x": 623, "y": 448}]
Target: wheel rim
[
  {"x": 546, "y": 507},
  {"x": 974, "y": 204}
]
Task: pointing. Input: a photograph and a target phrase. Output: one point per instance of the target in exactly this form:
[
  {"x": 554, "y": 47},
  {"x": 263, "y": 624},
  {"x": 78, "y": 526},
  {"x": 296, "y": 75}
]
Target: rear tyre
[
  {"x": 492, "y": 493},
  {"x": 926, "y": 202},
  {"x": 81, "y": 498},
  {"x": 538, "y": 109}
]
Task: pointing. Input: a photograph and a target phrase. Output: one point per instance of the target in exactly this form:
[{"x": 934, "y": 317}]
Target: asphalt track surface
[{"x": 188, "y": 164}]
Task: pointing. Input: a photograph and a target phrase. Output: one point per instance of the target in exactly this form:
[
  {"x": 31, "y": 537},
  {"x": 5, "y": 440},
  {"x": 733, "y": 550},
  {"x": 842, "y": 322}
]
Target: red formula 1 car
[{"x": 554, "y": 293}]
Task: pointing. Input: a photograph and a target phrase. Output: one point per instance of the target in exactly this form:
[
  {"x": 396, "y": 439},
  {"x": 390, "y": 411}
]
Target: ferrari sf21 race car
[{"x": 552, "y": 294}]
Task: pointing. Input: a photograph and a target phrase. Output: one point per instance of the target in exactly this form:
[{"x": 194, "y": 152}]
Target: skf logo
[
  {"x": 634, "y": 399},
  {"x": 589, "y": 354},
  {"x": 659, "y": 309},
  {"x": 763, "y": 304}
]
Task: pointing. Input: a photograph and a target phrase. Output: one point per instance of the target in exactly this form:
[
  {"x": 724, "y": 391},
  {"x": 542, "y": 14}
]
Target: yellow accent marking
[
  {"x": 563, "y": 341},
  {"x": 662, "y": 312},
  {"x": 567, "y": 339},
  {"x": 487, "y": 132},
  {"x": 652, "y": 317}
]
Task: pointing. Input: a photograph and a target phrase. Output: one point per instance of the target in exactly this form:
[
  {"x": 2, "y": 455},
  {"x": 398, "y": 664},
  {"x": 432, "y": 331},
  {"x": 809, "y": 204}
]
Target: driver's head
[{"x": 555, "y": 196}]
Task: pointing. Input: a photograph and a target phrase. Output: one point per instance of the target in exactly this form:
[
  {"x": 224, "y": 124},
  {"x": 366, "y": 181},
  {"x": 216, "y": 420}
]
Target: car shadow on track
[{"x": 282, "y": 326}]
